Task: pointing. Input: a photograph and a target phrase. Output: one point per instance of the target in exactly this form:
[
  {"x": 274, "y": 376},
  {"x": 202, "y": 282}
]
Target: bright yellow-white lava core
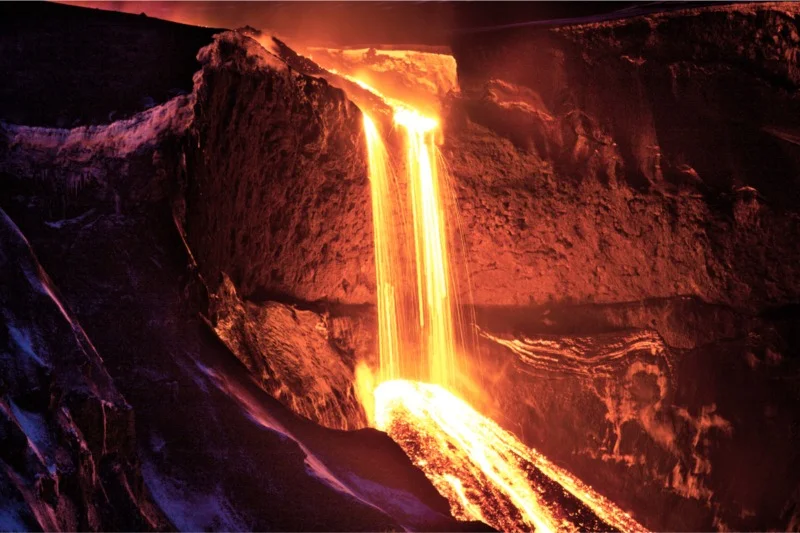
[{"x": 430, "y": 246}]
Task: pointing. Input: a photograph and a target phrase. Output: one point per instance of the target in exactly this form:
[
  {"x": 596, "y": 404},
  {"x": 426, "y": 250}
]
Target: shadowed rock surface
[
  {"x": 68, "y": 457},
  {"x": 310, "y": 367},
  {"x": 75, "y": 67}
]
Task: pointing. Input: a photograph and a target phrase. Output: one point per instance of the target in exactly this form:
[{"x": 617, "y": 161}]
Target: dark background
[{"x": 357, "y": 23}]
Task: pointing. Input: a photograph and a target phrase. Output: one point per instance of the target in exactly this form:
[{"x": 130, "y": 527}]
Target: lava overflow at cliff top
[{"x": 485, "y": 472}]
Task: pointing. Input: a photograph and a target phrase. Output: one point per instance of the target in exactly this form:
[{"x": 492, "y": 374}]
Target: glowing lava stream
[
  {"x": 388, "y": 336},
  {"x": 484, "y": 471},
  {"x": 430, "y": 246}
]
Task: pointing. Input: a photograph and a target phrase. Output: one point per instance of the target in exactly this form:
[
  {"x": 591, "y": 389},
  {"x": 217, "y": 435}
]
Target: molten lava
[
  {"x": 430, "y": 246},
  {"x": 485, "y": 472},
  {"x": 416, "y": 335},
  {"x": 385, "y": 253}
]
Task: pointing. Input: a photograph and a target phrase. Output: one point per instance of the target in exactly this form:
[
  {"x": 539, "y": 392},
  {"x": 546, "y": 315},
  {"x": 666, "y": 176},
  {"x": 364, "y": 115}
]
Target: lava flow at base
[{"x": 485, "y": 472}]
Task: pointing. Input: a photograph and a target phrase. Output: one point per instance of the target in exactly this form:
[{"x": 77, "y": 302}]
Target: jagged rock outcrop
[
  {"x": 294, "y": 354},
  {"x": 278, "y": 197},
  {"x": 68, "y": 458}
]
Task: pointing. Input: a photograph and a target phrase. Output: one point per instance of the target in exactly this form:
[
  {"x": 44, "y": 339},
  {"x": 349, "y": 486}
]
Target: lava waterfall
[
  {"x": 432, "y": 266},
  {"x": 485, "y": 472}
]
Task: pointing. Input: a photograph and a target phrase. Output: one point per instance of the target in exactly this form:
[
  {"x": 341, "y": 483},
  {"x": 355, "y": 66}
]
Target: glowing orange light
[
  {"x": 480, "y": 468},
  {"x": 430, "y": 246},
  {"x": 385, "y": 260}
]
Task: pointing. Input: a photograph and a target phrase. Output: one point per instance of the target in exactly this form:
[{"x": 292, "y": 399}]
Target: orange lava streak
[
  {"x": 385, "y": 260},
  {"x": 459, "y": 444},
  {"x": 430, "y": 245}
]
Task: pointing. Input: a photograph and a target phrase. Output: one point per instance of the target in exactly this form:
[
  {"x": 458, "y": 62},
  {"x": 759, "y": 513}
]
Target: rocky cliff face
[
  {"x": 629, "y": 193},
  {"x": 646, "y": 157},
  {"x": 109, "y": 209},
  {"x": 278, "y": 197}
]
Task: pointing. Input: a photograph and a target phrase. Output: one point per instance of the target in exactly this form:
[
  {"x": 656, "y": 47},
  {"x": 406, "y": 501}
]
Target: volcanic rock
[
  {"x": 627, "y": 191},
  {"x": 631, "y": 213},
  {"x": 65, "y": 67},
  {"x": 294, "y": 353},
  {"x": 639, "y": 158},
  {"x": 103, "y": 206},
  {"x": 68, "y": 454},
  {"x": 278, "y": 196}
]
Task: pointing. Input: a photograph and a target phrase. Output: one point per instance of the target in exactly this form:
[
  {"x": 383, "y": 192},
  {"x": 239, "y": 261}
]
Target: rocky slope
[{"x": 69, "y": 458}]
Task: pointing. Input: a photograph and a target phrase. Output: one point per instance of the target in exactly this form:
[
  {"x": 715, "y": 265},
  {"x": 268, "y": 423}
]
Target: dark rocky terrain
[{"x": 181, "y": 279}]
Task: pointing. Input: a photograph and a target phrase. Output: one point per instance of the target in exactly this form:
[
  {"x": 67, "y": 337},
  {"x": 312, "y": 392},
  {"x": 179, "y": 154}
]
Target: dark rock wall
[
  {"x": 278, "y": 197},
  {"x": 216, "y": 452},
  {"x": 68, "y": 457},
  {"x": 650, "y": 157},
  {"x": 629, "y": 193}
]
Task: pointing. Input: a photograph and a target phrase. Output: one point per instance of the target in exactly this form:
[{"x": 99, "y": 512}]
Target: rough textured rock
[
  {"x": 294, "y": 353},
  {"x": 641, "y": 173},
  {"x": 278, "y": 197},
  {"x": 701, "y": 422},
  {"x": 641, "y": 158},
  {"x": 68, "y": 458},
  {"x": 103, "y": 208}
]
